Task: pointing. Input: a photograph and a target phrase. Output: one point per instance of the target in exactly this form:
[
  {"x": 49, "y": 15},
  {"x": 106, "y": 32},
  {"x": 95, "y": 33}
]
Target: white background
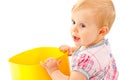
[{"x": 26, "y": 24}]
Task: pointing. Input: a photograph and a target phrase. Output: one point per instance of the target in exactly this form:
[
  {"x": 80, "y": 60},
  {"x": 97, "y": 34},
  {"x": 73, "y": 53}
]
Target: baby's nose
[{"x": 75, "y": 29}]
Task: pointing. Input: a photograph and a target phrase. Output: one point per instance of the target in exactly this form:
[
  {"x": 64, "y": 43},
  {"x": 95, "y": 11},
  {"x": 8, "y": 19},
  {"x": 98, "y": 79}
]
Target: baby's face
[{"x": 84, "y": 29}]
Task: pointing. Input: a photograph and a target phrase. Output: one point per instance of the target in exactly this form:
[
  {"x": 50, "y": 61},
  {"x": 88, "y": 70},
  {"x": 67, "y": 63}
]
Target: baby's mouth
[{"x": 76, "y": 39}]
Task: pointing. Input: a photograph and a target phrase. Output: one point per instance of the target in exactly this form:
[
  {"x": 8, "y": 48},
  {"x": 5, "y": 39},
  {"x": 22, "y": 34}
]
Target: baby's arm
[
  {"x": 51, "y": 65},
  {"x": 66, "y": 48},
  {"x": 58, "y": 75}
]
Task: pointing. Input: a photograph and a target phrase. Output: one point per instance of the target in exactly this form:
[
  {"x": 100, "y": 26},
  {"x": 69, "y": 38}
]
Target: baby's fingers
[
  {"x": 43, "y": 64},
  {"x": 63, "y": 48},
  {"x": 59, "y": 61}
]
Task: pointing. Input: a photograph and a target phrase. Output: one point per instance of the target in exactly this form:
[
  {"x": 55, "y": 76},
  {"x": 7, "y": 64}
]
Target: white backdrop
[{"x": 26, "y": 24}]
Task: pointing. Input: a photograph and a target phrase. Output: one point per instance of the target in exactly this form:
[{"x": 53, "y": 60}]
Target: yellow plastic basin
[{"x": 26, "y": 65}]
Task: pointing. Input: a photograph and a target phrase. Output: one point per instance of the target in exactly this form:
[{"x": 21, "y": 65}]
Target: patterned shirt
[{"x": 96, "y": 62}]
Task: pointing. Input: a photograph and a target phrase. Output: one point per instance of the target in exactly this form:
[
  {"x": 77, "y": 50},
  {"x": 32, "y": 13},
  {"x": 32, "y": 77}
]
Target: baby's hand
[
  {"x": 51, "y": 65},
  {"x": 66, "y": 48}
]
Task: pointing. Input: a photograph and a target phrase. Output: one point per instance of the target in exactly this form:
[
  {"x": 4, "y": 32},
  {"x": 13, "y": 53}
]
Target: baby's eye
[
  {"x": 73, "y": 22},
  {"x": 82, "y": 25}
]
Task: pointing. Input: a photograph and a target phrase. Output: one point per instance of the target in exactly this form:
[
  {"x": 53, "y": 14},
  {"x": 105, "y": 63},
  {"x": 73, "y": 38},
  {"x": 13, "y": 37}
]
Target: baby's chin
[{"x": 77, "y": 44}]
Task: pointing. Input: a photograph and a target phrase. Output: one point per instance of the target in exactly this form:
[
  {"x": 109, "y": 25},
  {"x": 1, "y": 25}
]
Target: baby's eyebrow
[{"x": 72, "y": 20}]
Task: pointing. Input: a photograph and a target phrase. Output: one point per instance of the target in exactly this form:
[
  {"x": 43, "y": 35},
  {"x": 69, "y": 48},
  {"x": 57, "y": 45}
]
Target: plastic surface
[{"x": 26, "y": 65}]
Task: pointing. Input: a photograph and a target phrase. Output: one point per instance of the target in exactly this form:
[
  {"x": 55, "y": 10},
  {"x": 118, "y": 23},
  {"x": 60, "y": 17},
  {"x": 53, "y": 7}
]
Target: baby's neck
[{"x": 84, "y": 47}]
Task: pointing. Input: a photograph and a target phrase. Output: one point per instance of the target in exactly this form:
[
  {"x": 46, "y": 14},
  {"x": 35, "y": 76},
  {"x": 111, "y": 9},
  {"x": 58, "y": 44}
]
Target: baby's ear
[{"x": 103, "y": 30}]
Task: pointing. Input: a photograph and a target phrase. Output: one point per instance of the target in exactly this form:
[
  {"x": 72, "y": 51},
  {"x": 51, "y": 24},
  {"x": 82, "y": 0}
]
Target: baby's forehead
[
  {"x": 84, "y": 16},
  {"x": 84, "y": 13},
  {"x": 88, "y": 9}
]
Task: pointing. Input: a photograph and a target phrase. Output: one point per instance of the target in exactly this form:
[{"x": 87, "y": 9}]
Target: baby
[{"x": 91, "y": 57}]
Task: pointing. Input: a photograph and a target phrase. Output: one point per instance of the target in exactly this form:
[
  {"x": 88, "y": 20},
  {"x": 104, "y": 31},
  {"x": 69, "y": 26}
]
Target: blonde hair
[{"x": 104, "y": 10}]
